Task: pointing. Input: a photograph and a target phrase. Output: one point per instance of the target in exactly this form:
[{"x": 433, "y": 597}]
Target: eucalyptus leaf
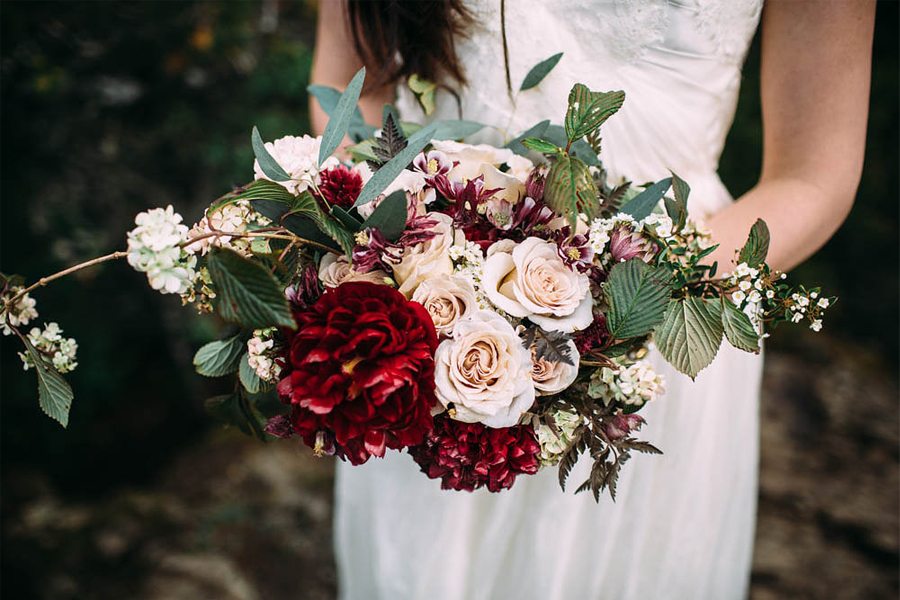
[
  {"x": 691, "y": 334},
  {"x": 588, "y": 110},
  {"x": 351, "y": 223},
  {"x": 570, "y": 189},
  {"x": 739, "y": 330},
  {"x": 756, "y": 248},
  {"x": 539, "y": 71},
  {"x": 388, "y": 172},
  {"x": 269, "y": 165},
  {"x": 247, "y": 293},
  {"x": 638, "y": 295},
  {"x": 219, "y": 358},
  {"x": 54, "y": 393},
  {"x": 538, "y": 130},
  {"x": 328, "y": 98},
  {"x": 643, "y": 204},
  {"x": 389, "y": 217},
  {"x": 339, "y": 122},
  {"x": 453, "y": 129}
]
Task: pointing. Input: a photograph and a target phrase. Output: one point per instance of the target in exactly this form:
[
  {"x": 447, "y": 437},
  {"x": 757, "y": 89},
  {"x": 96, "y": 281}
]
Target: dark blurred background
[{"x": 114, "y": 107}]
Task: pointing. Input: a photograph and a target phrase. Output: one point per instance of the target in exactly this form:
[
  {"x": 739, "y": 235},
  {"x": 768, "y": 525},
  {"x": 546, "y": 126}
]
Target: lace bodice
[{"x": 678, "y": 61}]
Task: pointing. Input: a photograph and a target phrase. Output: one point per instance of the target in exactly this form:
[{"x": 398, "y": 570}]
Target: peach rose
[
  {"x": 447, "y": 300},
  {"x": 428, "y": 259}
]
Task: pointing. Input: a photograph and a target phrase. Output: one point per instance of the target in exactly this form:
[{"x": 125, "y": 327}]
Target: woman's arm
[
  {"x": 335, "y": 61},
  {"x": 816, "y": 65}
]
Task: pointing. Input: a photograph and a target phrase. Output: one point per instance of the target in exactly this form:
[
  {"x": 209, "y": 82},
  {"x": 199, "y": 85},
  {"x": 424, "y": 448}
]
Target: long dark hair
[{"x": 406, "y": 37}]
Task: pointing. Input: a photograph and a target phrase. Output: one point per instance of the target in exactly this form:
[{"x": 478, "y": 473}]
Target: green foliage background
[{"x": 112, "y": 108}]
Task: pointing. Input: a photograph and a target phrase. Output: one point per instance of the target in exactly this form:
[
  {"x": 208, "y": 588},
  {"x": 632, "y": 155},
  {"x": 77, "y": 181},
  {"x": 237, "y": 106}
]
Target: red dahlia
[
  {"x": 340, "y": 185},
  {"x": 467, "y": 456},
  {"x": 360, "y": 371}
]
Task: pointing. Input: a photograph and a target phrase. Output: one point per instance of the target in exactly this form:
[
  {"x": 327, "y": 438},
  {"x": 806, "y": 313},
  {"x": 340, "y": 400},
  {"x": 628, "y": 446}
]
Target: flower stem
[{"x": 45, "y": 280}]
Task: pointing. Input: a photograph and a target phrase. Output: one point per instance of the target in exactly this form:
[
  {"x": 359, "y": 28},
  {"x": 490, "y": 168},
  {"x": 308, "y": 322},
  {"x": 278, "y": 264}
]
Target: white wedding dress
[{"x": 682, "y": 526}]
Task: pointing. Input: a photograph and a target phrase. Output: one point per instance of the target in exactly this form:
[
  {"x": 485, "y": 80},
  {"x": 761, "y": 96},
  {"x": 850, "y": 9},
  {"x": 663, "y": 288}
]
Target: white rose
[
  {"x": 551, "y": 377},
  {"x": 483, "y": 370},
  {"x": 470, "y": 158},
  {"x": 447, "y": 300},
  {"x": 520, "y": 167},
  {"x": 532, "y": 281},
  {"x": 335, "y": 270},
  {"x": 428, "y": 259},
  {"x": 508, "y": 187}
]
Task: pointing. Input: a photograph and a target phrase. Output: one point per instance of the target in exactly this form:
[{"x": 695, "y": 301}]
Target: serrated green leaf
[
  {"x": 580, "y": 149},
  {"x": 389, "y": 217},
  {"x": 538, "y": 130},
  {"x": 691, "y": 334},
  {"x": 454, "y": 129},
  {"x": 756, "y": 248},
  {"x": 643, "y": 204},
  {"x": 219, "y": 358},
  {"x": 589, "y": 110},
  {"x": 55, "y": 395},
  {"x": 268, "y": 164},
  {"x": 389, "y": 171},
  {"x": 570, "y": 189},
  {"x": 248, "y": 377},
  {"x": 738, "y": 329},
  {"x": 339, "y": 122},
  {"x": 539, "y": 71},
  {"x": 542, "y": 146},
  {"x": 638, "y": 295},
  {"x": 328, "y": 98},
  {"x": 247, "y": 293}
]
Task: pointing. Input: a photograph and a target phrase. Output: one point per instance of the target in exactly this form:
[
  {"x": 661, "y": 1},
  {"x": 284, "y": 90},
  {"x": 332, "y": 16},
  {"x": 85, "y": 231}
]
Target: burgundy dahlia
[
  {"x": 467, "y": 456},
  {"x": 360, "y": 371},
  {"x": 595, "y": 336},
  {"x": 340, "y": 186}
]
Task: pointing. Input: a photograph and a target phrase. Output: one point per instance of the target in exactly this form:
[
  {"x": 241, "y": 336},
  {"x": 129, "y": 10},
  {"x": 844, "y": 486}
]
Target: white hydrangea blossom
[
  {"x": 235, "y": 218},
  {"x": 260, "y": 355},
  {"x": 660, "y": 224},
  {"x": 633, "y": 385},
  {"x": 154, "y": 249},
  {"x": 60, "y": 351},
  {"x": 553, "y": 444},
  {"x": 299, "y": 157},
  {"x": 23, "y": 311}
]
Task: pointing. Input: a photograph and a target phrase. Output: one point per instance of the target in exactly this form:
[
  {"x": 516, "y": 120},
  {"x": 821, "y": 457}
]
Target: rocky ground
[{"x": 233, "y": 519}]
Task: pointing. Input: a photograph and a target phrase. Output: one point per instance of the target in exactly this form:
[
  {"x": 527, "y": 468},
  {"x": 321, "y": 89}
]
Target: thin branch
[{"x": 45, "y": 280}]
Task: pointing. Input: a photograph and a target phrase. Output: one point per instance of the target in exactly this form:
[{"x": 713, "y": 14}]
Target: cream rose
[
  {"x": 508, "y": 187},
  {"x": 551, "y": 377},
  {"x": 447, "y": 300},
  {"x": 335, "y": 270},
  {"x": 426, "y": 260},
  {"x": 519, "y": 167},
  {"x": 484, "y": 371},
  {"x": 532, "y": 281},
  {"x": 470, "y": 157}
]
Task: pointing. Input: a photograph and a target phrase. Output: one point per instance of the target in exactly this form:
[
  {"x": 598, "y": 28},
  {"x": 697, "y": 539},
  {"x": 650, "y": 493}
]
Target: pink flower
[
  {"x": 625, "y": 244},
  {"x": 619, "y": 426}
]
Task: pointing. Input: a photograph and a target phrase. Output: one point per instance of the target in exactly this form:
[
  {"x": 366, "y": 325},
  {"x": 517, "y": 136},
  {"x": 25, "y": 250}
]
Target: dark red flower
[
  {"x": 467, "y": 456},
  {"x": 595, "y": 336},
  {"x": 619, "y": 426},
  {"x": 360, "y": 371},
  {"x": 340, "y": 185}
]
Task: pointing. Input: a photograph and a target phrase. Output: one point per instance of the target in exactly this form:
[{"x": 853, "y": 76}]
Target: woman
[{"x": 683, "y": 524}]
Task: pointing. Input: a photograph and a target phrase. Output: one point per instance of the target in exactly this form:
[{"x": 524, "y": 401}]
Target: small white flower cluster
[
  {"x": 235, "y": 218},
  {"x": 632, "y": 385},
  {"x": 599, "y": 229},
  {"x": 661, "y": 224},
  {"x": 553, "y": 444},
  {"x": 299, "y": 157},
  {"x": 154, "y": 248},
  {"x": 468, "y": 262},
  {"x": 50, "y": 342},
  {"x": 260, "y": 355},
  {"x": 23, "y": 311},
  {"x": 808, "y": 306}
]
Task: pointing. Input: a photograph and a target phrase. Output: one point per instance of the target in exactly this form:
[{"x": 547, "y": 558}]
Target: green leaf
[
  {"x": 580, "y": 149},
  {"x": 756, "y": 249},
  {"x": 351, "y": 223},
  {"x": 738, "y": 329},
  {"x": 424, "y": 92},
  {"x": 589, "y": 110},
  {"x": 236, "y": 410},
  {"x": 538, "y": 130},
  {"x": 677, "y": 208},
  {"x": 248, "y": 377},
  {"x": 339, "y": 122},
  {"x": 542, "y": 146},
  {"x": 691, "y": 333},
  {"x": 638, "y": 295},
  {"x": 268, "y": 164},
  {"x": 328, "y": 98},
  {"x": 303, "y": 217},
  {"x": 365, "y": 150},
  {"x": 388, "y": 172},
  {"x": 453, "y": 129},
  {"x": 570, "y": 189},
  {"x": 219, "y": 358},
  {"x": 247, "y": 293},
  {"x": 54, "y": 393},
  {"x": 389, "y": 217},
  {"x": 643, "y": 204},
  {"x": 539, "y": 71}
]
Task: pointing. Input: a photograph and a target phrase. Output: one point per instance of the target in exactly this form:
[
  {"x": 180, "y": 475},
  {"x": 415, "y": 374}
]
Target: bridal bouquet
[{"x": 489, "y": 310}]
